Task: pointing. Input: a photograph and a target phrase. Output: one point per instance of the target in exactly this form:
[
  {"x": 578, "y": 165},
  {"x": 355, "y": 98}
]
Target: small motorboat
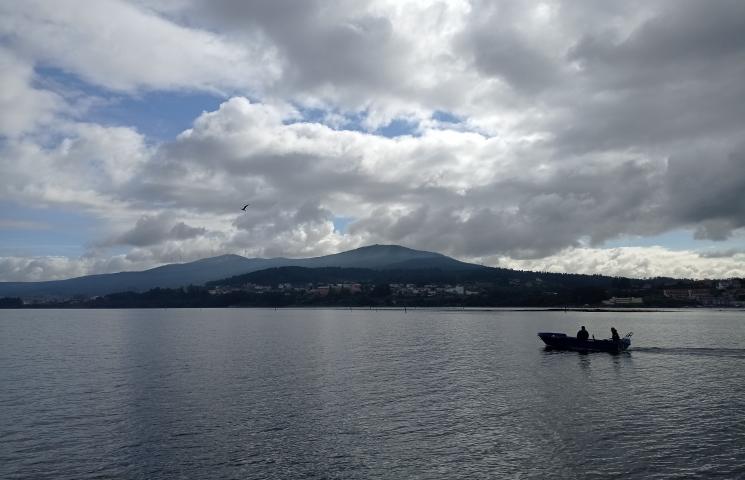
[{"x": 561, "y": 341}]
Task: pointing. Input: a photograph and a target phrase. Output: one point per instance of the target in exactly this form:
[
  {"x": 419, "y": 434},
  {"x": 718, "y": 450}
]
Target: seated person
[
  {"x": 583, "y": 334},
  {"x": 614, "y": 334}
]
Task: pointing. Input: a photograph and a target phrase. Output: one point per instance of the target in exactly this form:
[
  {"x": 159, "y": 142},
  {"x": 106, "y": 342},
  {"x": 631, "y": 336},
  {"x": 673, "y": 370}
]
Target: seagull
[{"x": 244, "y": 206}]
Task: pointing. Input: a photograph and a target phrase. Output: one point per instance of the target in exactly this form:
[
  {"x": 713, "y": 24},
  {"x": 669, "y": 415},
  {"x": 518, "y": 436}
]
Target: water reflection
[
  {"x": 585, "y": 360},
  {"x": 311, "y": 394}
]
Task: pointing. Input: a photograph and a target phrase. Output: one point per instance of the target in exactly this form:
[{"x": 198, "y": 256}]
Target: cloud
[
  {"x": 306, "y": 230},
  {"x": 635, "y": 262},
  {"x": 724, "y": 253},
  {"x": 125, "y": 47},
  {"x": 671, "y": 77},
  {"x": 459, "y": 193},
  {"x": 455, "y": 182},
  {"x": 705, "y": 188},
  {"x": 83, "y": 169},
  {"x": 508, "y": 43},
  {"x": 23, "y": 107},
  {"x": 34, "y": 269},
  {"x": 377, "y": 59},
  {"x": 578, "y": 122},
  {"x": 155, "y": 229}
]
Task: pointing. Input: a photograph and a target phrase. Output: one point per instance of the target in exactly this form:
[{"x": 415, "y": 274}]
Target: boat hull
[{"x": 561, "y": 341}]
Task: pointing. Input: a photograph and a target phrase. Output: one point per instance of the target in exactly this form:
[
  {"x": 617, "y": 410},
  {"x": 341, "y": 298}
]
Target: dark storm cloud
[
  {"x": 680, "y": 38},
  {"x": 499, "y": 49},
  {"x": 705, "y": 189},
  {"x": 673, "y": 78}
]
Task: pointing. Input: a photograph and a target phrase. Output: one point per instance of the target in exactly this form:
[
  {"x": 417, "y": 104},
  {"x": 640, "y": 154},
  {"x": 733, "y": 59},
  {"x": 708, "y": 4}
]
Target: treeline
[
  {"x": 421, "y": 276},
  {"x": 488, "y": 287},
  {"x": 378, "y": 295},
  {"x": 11, "y": 302}
]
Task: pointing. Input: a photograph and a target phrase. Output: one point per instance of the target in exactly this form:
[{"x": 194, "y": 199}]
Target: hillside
[{"x": 215, "y": 268}]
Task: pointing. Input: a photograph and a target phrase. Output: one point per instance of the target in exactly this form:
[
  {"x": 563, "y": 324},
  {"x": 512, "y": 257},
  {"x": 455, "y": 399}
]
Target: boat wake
[{"x": 693, "y": 351}]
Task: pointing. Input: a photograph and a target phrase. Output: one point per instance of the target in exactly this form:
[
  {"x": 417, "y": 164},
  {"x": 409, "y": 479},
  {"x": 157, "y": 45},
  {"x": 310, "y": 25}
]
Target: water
[{"x": 337, "y": 394}]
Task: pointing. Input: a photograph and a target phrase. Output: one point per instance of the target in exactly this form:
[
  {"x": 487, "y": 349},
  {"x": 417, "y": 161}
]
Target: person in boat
[
  {"x": 583, "y": 334},
  {"x": 614, "y": 334}
]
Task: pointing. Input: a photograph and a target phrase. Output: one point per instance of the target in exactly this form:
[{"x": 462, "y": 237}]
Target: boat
[{"x": 562, "y": 341}]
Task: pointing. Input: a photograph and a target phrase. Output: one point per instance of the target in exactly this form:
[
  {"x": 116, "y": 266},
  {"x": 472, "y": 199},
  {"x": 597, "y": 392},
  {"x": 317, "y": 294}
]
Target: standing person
[
  {"x": 583, "y": 334},
  {"x": 614, "y": 334}
]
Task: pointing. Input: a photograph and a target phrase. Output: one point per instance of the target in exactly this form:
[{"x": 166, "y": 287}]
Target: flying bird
[{"x": 244, "y": 206}]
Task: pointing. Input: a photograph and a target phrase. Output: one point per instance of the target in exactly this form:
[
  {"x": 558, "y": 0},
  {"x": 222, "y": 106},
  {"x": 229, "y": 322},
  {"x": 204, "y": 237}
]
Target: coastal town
[
  {"x": 703, "y": 293},
  {"x": 284, "y": 287}
]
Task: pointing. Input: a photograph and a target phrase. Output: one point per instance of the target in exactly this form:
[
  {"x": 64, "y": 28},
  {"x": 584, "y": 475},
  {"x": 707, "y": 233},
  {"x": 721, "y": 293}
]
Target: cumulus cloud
[
  {"x": 84, "y": 169},
  {"x": 43, "y": 268},
  {"x": 125, "y": 47},
  {"x": 29, "y": 269},
  {"x": 457, "y": 192},
  {"x": 377, "y": 58},
  {"x": 460, "y": 193},
  {"x": 23, "y": 107},
  {"x": 566, "y": 124},
  {"x": 636, "y": 262}
]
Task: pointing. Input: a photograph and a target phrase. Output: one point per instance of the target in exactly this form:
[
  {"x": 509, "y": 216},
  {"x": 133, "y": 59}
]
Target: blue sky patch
[
  {"x": 341, "y": 223},
  {"x": 445, "y": 117},
  {"x": 399, "y": 127},
  {"x": 354, "y": 122},
  {"x": 351, "y": 121},
  {"x": 159, "y": 115},
  {"x": 26, "y": 231}
]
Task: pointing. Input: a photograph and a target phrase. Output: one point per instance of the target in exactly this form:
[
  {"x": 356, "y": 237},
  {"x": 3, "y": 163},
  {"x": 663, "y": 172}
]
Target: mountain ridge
[{"x": 224, "y": 266}]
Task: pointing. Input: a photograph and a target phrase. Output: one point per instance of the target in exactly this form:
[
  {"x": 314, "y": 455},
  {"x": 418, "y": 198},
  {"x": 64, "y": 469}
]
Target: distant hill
[
  {"x": 167, "y": 276},
  {"x": 375, "y": 257},
  {"x": 385, "y": 257}
]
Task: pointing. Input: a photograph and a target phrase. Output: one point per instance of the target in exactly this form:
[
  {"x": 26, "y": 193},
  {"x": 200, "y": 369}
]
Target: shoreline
[{"x": 402, "y": 309}]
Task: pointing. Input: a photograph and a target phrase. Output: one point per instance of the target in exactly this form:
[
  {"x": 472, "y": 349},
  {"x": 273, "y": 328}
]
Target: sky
[{"x": 566, "y": 136}]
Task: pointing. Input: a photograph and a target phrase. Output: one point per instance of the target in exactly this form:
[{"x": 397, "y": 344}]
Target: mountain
[
  {"x": 166, "y": 276},
  {"x": 387, "y": 257},
  {"x": 376, "y": 257}
]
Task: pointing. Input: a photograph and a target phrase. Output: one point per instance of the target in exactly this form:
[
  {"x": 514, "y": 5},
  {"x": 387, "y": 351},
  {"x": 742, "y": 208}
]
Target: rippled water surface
[{"x": 367, "y": 394}]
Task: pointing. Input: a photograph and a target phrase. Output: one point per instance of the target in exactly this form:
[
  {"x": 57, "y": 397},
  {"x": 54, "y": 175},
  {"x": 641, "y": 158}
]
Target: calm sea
[{"x": 294, "y": 394}]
